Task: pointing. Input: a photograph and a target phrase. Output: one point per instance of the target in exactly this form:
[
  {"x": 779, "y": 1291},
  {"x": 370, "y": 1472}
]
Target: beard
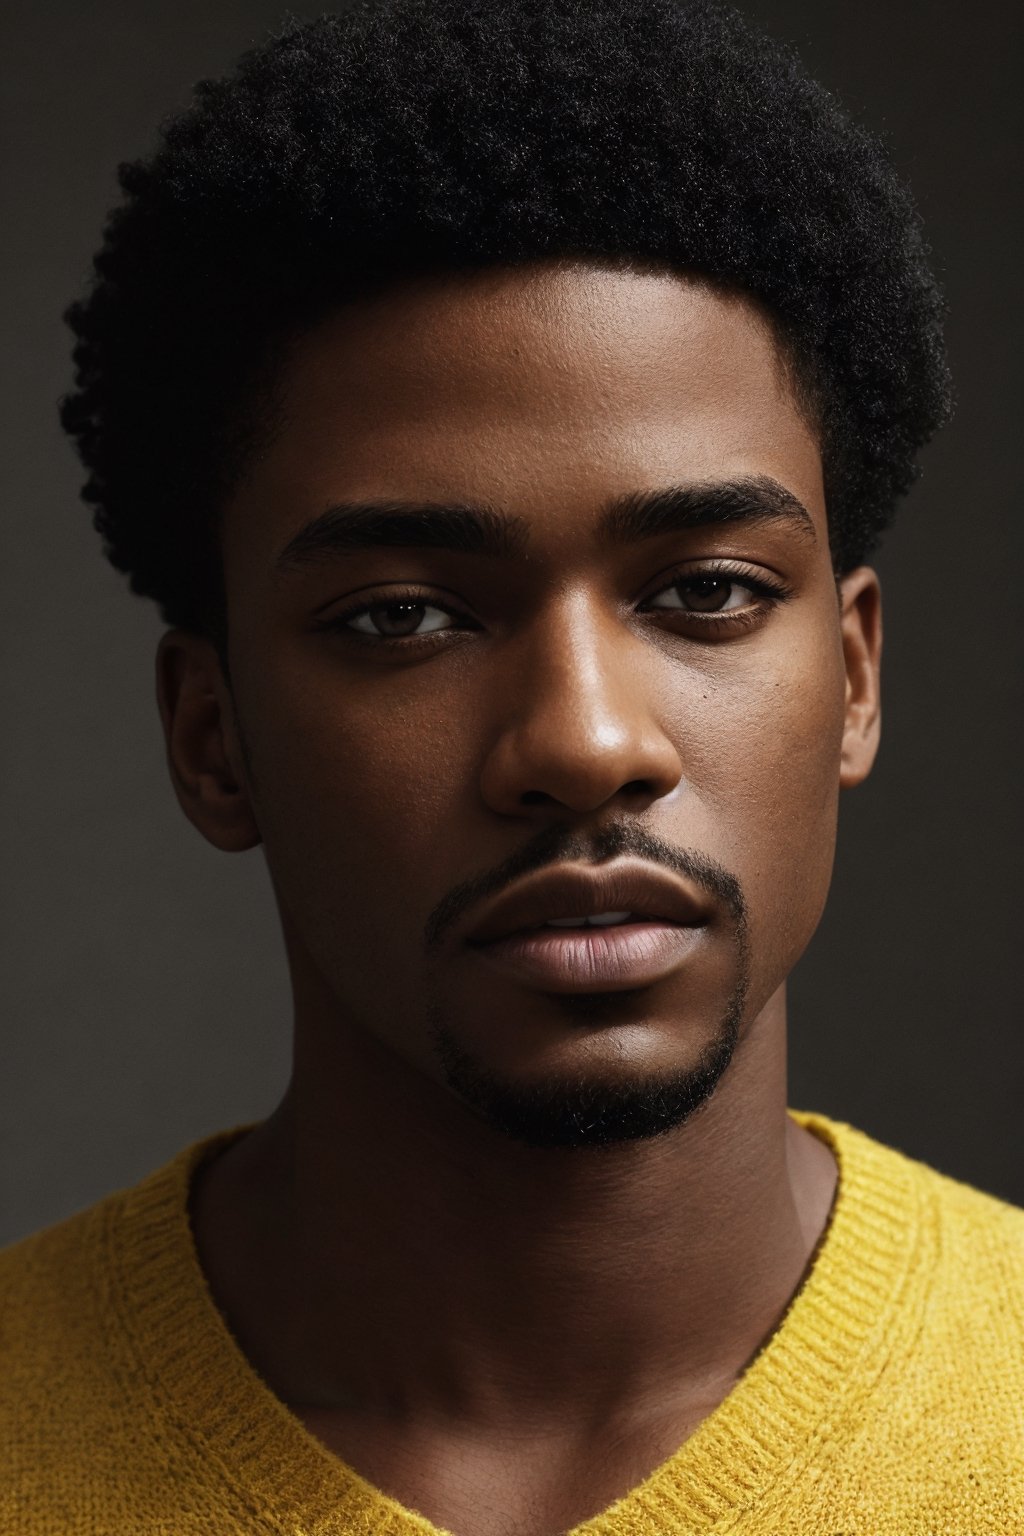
[
  {"x": 579, "y": 1111},
  {"x": 575, "y": 1112}
]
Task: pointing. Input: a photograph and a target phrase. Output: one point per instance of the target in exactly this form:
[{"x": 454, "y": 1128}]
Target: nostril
[{"x": 640, "y": 788}]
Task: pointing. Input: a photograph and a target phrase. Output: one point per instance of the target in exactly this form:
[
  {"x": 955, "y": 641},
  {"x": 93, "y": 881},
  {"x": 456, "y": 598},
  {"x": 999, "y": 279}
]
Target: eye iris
[
  {"x": 399, "y": 618},
  {"x": 705, "y": 594}
]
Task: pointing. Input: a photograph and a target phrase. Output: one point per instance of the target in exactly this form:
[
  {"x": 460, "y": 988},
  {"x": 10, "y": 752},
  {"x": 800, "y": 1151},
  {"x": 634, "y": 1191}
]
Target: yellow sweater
[{"x": 889, "y": 1402}]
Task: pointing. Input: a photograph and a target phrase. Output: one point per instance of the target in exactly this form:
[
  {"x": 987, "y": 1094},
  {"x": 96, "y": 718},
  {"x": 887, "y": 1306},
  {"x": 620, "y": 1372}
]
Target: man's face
[{"x": 423, "y": 725}]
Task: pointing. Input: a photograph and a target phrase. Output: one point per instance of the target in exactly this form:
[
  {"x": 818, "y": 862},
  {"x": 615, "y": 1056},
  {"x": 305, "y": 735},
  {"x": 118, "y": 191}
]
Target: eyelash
[{"x": 769, "y": 593}]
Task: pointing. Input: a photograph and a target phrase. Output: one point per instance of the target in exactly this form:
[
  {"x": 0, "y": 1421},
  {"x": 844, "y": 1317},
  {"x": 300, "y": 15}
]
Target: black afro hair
[{"x": 405, "y": 136}]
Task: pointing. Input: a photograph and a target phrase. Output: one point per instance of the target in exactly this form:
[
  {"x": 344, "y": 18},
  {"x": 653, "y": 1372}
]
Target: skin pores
[
  {"x": 469, "y": 1318},
  {"x": 548, "y": 694}
]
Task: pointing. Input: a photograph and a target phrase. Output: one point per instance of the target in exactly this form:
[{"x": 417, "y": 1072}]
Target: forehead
[{"x": 545, "y": 390}]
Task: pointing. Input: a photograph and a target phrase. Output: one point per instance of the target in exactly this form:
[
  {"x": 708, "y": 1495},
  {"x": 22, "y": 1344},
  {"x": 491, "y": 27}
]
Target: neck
[{"x": 377, "y": 1248}]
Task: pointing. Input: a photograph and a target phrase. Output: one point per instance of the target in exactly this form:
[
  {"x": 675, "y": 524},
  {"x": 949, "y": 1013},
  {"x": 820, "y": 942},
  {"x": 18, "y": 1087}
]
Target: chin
[{"x": 593, "y": 1102}]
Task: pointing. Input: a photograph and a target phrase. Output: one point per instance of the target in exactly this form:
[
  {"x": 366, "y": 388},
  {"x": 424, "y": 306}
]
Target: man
[{"x": 502, "y": 401}]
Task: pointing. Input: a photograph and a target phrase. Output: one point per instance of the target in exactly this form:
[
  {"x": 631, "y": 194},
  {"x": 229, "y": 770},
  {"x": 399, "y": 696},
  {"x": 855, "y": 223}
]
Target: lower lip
[{"x": 585, "y": 959}]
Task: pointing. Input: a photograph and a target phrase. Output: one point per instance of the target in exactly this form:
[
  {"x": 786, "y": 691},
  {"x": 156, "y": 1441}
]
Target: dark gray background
[{"x": 145, "y": 999}]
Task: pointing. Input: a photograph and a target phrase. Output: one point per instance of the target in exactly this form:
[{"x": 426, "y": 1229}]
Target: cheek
[
  {"x": 368, "y": 805},
  {"x": 768, "y": 780},
  {"x": 354, "y": 802}
]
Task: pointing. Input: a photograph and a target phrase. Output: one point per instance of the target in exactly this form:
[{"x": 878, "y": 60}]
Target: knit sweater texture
[{"x": 889, "y": 1401}]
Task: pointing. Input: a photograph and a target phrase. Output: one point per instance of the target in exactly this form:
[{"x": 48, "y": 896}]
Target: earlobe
[
  {"x": 861, "y": 624},
  {"x": 203, "y": 751}
]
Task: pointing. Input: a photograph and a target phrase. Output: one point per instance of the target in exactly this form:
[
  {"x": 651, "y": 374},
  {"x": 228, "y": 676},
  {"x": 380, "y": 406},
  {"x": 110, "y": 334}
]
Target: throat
[{"x": 524, "y": 1484}]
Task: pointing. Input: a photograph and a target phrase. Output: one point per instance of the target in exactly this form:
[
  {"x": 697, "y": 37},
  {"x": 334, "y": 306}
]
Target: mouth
[
  {"x": 572, "y": 955},
  {"x": 596, "y": 920},
  {"x": 592, "y": 928}
]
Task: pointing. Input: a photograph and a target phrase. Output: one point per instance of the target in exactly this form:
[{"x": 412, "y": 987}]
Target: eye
[
  {"x": 709, "y": 592},
  {"x": 397, "y": 620}
]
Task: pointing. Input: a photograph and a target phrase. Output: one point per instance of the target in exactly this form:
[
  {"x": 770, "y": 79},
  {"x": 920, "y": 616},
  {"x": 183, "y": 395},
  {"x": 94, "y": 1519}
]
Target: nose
[{"x": 576, "y": 722}]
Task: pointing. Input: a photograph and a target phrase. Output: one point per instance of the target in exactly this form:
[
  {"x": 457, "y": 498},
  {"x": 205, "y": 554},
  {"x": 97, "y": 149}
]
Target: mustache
[{"x": 556, "y": 845}]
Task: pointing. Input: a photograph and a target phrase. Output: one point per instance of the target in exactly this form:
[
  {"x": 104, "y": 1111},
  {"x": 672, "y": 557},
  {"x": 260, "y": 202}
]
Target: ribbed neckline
[{"x": 858, "y": 1305}]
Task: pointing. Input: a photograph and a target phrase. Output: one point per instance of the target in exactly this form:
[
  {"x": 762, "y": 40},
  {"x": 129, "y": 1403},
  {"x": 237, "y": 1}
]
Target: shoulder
[
  {"x": 978, "y": 1234},
  {"x": 998, "y": 1225},
  {"x": 979, "y": 1263},
  {"x": 66, "y": 1280},
  {"x": 65, "y": 1290},
  {"x": 55, "y": 1371},
  {"x": 50, "y": 1271},
  {"x": 54, "y": 1309},
  {"x": 929, "y": 1272},
  {"x": 963, "y": 1375},
  {"x": 82, "y": 1406},
  {"x": 963, "y": 1248}
]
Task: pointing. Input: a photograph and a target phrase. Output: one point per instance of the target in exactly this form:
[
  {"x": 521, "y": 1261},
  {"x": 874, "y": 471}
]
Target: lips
[
  {"x": 641, "y": 893},
  {"x": 626, "y": 956},
  {"x": 577, "y": 928}
]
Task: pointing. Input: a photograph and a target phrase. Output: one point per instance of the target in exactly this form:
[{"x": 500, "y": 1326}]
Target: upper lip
[{"x": 581, "y": 890}]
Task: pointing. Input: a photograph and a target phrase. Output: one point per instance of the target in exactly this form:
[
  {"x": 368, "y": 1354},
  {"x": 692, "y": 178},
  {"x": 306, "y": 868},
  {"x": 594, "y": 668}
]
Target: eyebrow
[{"x": 483, "y": 530}]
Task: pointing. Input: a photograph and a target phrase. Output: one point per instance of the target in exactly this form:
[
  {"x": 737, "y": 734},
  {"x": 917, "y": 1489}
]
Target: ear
[
  {"x": 861, "y": 624},
  {"x": 204, "y": 748}
]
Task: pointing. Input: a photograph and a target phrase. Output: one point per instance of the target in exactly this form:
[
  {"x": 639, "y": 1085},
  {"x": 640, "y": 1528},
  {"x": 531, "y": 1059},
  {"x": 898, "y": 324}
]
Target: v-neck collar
[{"x": 849, "y": 1314}]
